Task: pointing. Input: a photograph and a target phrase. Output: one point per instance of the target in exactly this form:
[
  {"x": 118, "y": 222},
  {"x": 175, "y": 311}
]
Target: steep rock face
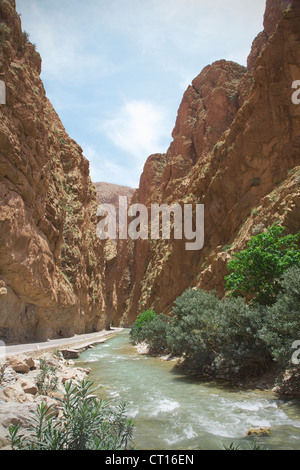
[
  {"x": 208, "y": 108},
  {"x": 108, "y": 193},
  {"x": 51, "y": 263},
  {"x": 125, "y": 269},
  {"x": 235, "y": 149}
]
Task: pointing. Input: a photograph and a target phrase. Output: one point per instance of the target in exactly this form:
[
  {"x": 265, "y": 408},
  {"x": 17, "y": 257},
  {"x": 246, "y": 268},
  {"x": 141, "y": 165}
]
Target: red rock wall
[
  {"x": 51, "y": 263},
  {"x": 235, "y": 149}
]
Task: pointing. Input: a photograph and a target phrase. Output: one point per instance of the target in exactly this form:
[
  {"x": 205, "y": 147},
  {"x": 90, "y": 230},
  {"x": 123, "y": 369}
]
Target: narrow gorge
[{"x": 235, "y": 148}]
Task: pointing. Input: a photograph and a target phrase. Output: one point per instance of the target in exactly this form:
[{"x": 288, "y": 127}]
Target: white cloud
[
  {"x": 96, "y": 52},
  {"x": 104, "y": 169},
  {"x": 64, "y": 43},
  {"x": 139, "y": 130}
]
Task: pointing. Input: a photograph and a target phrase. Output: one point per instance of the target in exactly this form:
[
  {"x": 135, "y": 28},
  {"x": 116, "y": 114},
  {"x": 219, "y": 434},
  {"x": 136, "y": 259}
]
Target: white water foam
[{"x": 165, "y": 405}]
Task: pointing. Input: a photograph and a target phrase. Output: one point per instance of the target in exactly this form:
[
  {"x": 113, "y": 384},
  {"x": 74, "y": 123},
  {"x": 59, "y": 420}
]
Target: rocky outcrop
[
  {"x": 235, "y": 149},
  {"x": 51, "y": 262}
]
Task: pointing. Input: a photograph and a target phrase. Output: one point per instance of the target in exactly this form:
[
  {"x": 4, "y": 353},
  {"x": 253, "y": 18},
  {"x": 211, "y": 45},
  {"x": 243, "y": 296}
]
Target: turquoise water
[{"x": 175, "y": 412}]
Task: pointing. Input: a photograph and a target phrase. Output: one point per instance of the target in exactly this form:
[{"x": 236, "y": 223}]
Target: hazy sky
[{"x": 116, "y": 70}]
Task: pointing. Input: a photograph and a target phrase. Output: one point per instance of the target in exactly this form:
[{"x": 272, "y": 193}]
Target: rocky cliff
[
  {"x": 51, "y": 263},
  {"x": 235, "y": 149}
]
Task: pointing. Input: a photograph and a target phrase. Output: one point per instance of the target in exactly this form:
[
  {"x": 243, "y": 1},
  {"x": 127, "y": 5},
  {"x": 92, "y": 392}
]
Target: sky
[{"x": 116, "y": 70}]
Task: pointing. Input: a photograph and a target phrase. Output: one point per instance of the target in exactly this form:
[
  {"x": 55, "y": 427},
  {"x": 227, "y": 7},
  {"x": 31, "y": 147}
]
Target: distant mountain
[{"x": 108, "y": 193}]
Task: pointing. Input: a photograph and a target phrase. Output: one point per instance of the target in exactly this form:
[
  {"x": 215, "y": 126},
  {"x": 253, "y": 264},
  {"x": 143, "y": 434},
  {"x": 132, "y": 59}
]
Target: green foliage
[
  {"x": 256, "y": 271},
  {"x": 154, "y": 333},
  {"x": 281, "y": 325},
  {"x": 252, "y": 445},
  {"x": 2, "y": 372},
  {"x": 192, "y": 327},
  {"x": 239, "y": 348},
  {"x": 86, "y": 423},
  {"x": 217, "y": 337},
  {"x": 26, "y": 37},
  {"x": 46, "y": 379},
  {"x": 239, "y": 335},
  {"x": 136, "y": 329}
]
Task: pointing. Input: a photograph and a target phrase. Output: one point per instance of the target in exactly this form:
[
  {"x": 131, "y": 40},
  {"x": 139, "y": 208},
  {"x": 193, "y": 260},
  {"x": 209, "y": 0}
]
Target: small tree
[{"x": 256, "y": 271}]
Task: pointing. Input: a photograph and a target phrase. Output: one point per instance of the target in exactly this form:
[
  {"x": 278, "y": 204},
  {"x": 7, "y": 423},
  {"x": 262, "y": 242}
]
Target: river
[{"x": 172, "y": 411}]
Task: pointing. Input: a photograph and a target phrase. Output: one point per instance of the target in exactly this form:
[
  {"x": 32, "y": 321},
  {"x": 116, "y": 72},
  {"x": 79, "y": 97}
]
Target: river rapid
[{"x": 172, "y": 411}]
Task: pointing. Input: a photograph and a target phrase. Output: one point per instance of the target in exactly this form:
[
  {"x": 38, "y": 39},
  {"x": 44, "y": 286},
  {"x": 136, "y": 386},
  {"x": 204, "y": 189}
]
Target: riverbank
[
  {"x": 36, "y": 373},
  {"x": 281, "y": 382}
]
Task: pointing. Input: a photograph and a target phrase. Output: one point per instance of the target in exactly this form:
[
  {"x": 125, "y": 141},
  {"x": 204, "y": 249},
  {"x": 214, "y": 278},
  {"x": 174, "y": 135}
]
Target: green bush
[
  {"x": 189, "y": 331},
  {"x": 282, "y": 320},
  {"x": 147, "y": 316},
  {"x": 238, "y": 346},
  {"x": 47, "y": 379},
  {"x": 256, "y": 271},
  {"x": 154, "y": 333},
  {"x": 240, "y": 335},
  {"x": 217, "y": 337},
  {"x": 86, "y": 423}
]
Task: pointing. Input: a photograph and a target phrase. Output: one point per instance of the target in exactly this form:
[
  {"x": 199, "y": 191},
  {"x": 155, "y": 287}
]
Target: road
[{"x": 75, "y": 341}]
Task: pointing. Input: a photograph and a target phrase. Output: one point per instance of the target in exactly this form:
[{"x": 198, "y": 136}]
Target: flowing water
[{"x": 174, "y": 412}]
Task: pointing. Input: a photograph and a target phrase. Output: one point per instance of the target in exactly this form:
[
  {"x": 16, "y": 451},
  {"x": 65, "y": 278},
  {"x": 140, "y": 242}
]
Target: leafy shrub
[
  {"x": 191, "y": 327},
  {"x": 25, "y": 37},
  {"x": 282, "y": 320},
  {"x": 236, "y": 341},
  {"x": 47, "y": 379},
  {"x": 2, "y": 372},
  {"x": 233, "y": 337},
  {"x": 86, "y": 423},
  {"x": 136, "y": 329},
  {"x": 217, "y": 337},
  {"x": 255, "y": 271},
  {"x": 154, "y": 333}
]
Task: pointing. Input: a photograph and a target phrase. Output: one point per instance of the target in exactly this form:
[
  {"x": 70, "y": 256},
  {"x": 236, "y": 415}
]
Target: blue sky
[{"x": 116, "y": 70}]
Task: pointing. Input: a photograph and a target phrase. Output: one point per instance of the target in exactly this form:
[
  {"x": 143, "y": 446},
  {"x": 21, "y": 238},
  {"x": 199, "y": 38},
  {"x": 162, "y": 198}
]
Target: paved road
[{"x": 89, "y": 338}]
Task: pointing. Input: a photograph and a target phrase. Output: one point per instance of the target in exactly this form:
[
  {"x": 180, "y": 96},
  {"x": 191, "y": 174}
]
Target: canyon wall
[
  {"x": 52, "y": 279},
  {"x": 235, "y": 149}
]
